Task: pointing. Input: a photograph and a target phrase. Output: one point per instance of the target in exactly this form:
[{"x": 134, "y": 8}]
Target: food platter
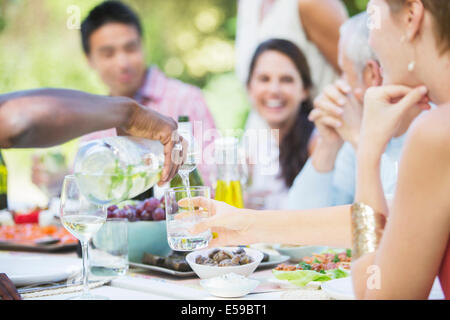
[
  {"x": 35, "y": 238},
  {"x": 274, "y": 260},
  {"x": 317, "y": 268}
]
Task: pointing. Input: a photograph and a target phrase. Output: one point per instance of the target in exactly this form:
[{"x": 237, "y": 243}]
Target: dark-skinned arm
[{"x": 47, "y": 117}]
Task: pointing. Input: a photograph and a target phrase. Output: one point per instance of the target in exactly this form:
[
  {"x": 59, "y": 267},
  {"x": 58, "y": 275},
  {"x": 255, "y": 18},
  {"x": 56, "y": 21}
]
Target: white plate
[
  {"x": 32, "y": 269},
  {"x": 342, "y": 289}
]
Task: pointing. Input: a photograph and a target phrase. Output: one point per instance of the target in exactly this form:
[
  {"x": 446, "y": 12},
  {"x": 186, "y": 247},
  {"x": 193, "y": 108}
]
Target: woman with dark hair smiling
[{"x": 279, "y": 84}]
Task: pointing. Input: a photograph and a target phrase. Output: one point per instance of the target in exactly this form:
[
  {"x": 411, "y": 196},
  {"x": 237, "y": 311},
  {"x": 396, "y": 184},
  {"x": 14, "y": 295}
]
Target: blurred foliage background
[{"x": 192, "y": 40}]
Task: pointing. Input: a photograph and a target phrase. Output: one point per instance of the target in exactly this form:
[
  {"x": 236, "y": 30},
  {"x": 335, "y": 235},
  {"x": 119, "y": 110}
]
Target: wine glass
[{"x": 83, "y": 219}]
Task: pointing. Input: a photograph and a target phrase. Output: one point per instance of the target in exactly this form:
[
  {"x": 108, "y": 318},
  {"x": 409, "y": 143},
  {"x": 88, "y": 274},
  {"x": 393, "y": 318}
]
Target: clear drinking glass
[
  {"x": 108, "y": 249},
  {"x": 180, "y": 235},
  {"x": 83, "y": 219}
]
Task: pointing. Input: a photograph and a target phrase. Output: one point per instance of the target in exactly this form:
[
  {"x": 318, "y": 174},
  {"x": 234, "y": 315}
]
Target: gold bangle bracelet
[{"x": 367, "y": 229}]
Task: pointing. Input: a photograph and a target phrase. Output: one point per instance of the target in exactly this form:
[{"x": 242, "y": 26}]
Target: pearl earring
[{"x": 411, "y": 66}]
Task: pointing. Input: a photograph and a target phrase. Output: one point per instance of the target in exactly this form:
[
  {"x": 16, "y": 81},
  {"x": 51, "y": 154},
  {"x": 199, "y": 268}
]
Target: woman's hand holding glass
[{"x": 229, "y": 225}]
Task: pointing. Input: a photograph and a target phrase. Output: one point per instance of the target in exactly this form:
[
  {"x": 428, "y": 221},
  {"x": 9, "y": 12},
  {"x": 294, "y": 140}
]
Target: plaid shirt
[{"x": 173, "y": 98}]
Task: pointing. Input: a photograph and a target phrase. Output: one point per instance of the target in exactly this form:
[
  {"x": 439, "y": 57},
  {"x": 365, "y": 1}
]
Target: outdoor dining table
[{"x": 143, "y": 284}]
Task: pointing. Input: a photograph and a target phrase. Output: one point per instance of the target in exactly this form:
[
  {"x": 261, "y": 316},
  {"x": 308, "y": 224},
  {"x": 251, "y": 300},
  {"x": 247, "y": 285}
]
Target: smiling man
[{"x": 112, "y": 41}]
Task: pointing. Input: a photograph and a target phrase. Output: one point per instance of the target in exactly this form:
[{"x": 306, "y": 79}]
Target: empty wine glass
[{"x": 83, "y": 219}]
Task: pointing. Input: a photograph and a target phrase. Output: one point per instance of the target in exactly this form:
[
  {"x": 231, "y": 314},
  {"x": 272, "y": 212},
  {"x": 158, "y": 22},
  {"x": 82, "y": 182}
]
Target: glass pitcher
[{"x": 114, "y": 169}]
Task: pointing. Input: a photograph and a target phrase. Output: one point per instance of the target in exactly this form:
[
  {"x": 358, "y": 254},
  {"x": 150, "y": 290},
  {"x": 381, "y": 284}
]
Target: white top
[{"x": 281, "y": 21}]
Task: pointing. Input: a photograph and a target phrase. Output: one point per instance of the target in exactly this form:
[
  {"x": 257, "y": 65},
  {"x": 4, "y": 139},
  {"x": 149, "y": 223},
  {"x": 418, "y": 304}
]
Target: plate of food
[
  {"x": 35, "y": 238},
  {"x": 212, "y": 262},
  {"x": 319, "y": 268}
]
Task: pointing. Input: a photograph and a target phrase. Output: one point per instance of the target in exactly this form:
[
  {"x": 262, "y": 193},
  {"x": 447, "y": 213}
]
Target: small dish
[
  {"x": 229, "y": 285},
  {"x": 207, "y": 271}
]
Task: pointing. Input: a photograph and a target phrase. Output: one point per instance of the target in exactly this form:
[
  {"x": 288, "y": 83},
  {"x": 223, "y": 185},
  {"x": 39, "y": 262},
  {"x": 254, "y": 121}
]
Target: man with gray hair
[{"x": 328, "y": 178}]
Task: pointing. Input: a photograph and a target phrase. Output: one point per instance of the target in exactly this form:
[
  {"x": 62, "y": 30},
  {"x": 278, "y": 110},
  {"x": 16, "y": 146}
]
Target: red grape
[
  {"x": 140, "y": 208},
  {"x": 111, "y": 215},
  {"x": 146, "y": 216},
  {"x": 122, "y": 214},
  {"x": 112, "y": 208},
  {"x": 151, "y": 204},
  {"x": 159, "y": 214},
  {"x": 131, "y": 214}
]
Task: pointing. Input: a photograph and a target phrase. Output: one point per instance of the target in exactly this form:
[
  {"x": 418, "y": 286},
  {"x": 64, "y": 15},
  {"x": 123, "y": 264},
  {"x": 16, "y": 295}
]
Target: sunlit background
[{"x": 192, "y": 40}]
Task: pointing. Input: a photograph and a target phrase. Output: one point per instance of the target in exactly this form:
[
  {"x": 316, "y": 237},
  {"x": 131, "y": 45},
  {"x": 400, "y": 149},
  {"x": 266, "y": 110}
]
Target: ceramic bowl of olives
[{"x": 213, "y": 262}]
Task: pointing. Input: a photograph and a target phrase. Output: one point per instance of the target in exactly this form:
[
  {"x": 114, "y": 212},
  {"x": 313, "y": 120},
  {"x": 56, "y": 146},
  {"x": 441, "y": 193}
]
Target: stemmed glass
[{"x": 83, "y": 219}]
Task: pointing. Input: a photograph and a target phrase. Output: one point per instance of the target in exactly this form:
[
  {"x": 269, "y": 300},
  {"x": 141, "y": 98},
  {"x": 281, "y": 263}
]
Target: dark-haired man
[{"x": 112, "y": 41}]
